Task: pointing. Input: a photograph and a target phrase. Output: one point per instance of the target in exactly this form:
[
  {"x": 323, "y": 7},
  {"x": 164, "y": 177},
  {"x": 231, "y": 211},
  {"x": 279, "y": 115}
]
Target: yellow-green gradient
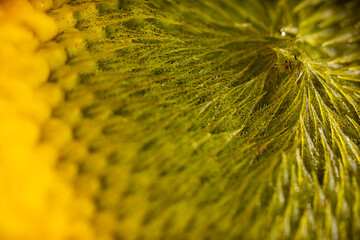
[{"x": 166, "y": 119}]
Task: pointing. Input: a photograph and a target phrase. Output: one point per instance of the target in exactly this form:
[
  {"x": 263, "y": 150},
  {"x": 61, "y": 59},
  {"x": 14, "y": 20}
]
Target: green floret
[{"x": 222, "y": 119}]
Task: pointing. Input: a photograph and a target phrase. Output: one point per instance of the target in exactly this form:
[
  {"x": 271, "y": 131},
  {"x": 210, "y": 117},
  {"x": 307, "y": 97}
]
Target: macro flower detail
[{"x": 165, "y": 119}]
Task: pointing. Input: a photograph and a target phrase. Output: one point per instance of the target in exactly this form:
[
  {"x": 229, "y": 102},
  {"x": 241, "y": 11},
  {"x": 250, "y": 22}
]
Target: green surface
[{"x": 219, "y": 119}]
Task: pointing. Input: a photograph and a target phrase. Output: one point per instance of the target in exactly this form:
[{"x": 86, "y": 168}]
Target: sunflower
[{"x": 168, "y": 119}]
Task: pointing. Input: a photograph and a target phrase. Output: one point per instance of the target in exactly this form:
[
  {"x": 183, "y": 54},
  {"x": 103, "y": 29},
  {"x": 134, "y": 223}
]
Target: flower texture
[{"x": 167, "y": 119}]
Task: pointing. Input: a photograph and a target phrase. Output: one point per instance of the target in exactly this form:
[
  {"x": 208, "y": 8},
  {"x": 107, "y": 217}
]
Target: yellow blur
[{"x": 34, "y": 202}]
